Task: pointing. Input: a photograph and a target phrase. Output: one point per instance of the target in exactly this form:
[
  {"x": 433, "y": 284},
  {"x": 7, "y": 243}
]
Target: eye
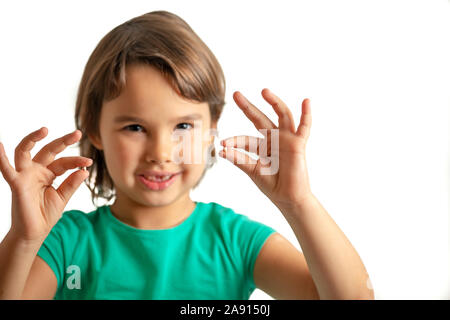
[
  {"x": 134, "y": 128},
  {"x": 184, "y": 123}
]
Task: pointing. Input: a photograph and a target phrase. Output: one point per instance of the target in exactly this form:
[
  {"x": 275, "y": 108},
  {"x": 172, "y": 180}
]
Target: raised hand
[
  {"x": 36, "y": 205},
  {"x": 280, "y": 172}
]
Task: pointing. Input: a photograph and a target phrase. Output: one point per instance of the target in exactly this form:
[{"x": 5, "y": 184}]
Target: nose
[{"x": 159, "y": 150}]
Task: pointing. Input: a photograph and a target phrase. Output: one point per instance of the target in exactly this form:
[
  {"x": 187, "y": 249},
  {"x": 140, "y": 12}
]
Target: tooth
[{"x": 158, "y": 179}]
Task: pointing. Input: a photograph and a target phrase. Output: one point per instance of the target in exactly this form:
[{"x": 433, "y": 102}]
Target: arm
[
  {"x": 36, "y": 207},
  {"x": 23, "y": 275},
  {"x": 334, "y": 264},
  {"x": 16, "y": 259},
  {"x": 281, "y": 271},
  {"x": 332, "y": 268}
]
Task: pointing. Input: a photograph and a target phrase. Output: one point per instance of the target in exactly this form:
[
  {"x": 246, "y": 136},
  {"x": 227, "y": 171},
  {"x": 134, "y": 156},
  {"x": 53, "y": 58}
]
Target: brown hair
[{"x": 158, "y": 38}]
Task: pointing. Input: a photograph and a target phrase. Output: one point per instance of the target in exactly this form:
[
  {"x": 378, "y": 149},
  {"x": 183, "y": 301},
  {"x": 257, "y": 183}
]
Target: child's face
[{"x": 135, "y": 146}]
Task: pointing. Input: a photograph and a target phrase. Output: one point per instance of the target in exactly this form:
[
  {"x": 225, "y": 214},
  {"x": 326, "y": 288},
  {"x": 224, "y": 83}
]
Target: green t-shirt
[{"x": 209, "y": 256}]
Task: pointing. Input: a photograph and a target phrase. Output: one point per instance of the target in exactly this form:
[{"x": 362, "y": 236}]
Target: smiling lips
[
  {"x": 158, "y": 180},
  {"x": 158, "y": 175}
]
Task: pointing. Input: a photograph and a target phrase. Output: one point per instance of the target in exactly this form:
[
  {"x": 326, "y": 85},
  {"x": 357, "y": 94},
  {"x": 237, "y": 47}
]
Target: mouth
[{"x": 157, "y": 182}]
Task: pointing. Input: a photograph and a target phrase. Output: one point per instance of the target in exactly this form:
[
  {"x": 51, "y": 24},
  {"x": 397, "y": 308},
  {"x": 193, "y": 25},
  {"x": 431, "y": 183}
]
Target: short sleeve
[
  {"x": 250, "y": 236},
  {"x": 58, "y": 246}
]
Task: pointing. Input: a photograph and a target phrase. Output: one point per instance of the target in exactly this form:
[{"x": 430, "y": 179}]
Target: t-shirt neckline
[{"x": 184, "y": 224}]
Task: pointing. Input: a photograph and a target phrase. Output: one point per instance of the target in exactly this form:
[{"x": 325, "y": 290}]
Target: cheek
[
  {"x": 121, "y": 154},
  {"x": 187, "y": 150},
  {"x": 195, "y": 148},
  {"x": 194, "y": 156},
  {"x": 192, "y": 174}
]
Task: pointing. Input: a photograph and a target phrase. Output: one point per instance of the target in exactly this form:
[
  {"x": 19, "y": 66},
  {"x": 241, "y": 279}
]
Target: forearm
[
  {"x": 334, "y": 264},
  {"x": 16, "y": 259}
]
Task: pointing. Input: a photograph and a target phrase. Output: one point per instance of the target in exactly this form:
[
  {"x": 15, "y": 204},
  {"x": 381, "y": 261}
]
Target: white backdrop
[{"x": 377, "y": 74}]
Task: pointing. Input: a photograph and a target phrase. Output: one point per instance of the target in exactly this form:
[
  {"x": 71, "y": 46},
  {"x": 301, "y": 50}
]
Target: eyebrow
[{"x": 126, "y": 118}]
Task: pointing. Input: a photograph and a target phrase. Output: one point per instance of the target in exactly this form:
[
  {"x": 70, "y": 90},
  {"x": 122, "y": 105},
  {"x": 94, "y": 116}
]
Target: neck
[{"x": 155, "y": 217}]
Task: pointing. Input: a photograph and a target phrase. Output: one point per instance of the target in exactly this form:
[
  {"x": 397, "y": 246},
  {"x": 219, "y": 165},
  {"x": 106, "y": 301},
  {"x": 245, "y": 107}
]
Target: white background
[{"x": 377, "y": 74}]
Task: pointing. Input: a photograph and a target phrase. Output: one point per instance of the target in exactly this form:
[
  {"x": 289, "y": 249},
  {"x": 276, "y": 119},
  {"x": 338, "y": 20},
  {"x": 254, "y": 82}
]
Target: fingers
[
  {"x": 240, "y": 160},
  {"x": 47, "y": 154},
  {"x": 259, "y": 119},
  {"x": 251, "y": 144},
  {"x": 60, "y": 166},
  {"x": 304, "y": 127},
  {"x": 285, "y": 118},
  {"x": 71, "y": 184},
  {"x": 7, "y": 170},
  {"x": 22, "y": 157}
]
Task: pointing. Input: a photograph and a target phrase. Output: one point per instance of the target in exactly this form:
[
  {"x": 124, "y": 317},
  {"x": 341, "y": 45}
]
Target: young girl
[{"x": 146, "y": 79}]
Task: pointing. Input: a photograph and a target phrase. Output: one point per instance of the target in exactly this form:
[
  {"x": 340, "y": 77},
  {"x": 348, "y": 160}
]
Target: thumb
[
  {"x": 6, "y": 169},
  {"x": 240, "y": 160},
  {"x": 71, "y": 184}
]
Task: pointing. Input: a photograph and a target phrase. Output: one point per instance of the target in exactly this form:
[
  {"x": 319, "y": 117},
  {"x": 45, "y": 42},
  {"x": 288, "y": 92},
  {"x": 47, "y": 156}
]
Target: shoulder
[
  {"x": 238, "y": 230},
  {"x": 215, "y": 214},
  {"x": 69, "y": 232},
  {"x": 65, "y": 239},
  {"x": 73, "y": 220},
  {"x": 228, "y": 216},
  {"x": 214, "y": 208},
  {"x": 79, "y": 216},
  {"x": 230, "y": 219}
]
